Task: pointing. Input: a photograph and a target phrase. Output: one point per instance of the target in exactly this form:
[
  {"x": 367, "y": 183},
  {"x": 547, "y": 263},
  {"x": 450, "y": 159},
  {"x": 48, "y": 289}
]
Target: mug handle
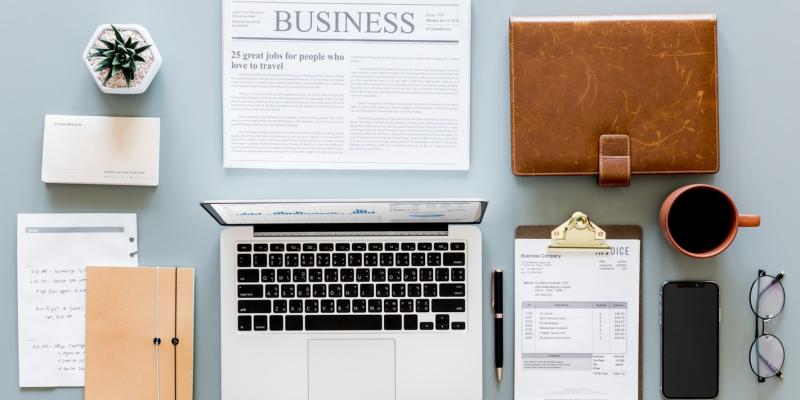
[{"x": 749, "y": 220}]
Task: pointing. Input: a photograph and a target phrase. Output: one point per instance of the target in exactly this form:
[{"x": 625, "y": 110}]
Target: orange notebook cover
[{"x": 139, "y": 333}]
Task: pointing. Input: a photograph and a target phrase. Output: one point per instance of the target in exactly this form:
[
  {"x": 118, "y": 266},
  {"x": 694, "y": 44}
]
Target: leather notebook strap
[{"x": 615, "y": 161}]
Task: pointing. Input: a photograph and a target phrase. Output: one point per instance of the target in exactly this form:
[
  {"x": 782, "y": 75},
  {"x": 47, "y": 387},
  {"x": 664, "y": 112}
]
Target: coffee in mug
[{"x": 702, "y": 220}]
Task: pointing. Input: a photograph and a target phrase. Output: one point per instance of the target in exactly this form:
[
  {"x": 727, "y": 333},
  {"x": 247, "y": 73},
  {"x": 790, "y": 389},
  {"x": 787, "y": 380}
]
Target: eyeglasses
[{"x": 767, "y": 299}]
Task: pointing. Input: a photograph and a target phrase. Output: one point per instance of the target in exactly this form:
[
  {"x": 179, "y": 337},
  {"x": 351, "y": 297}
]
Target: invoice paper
[
  {"x": 53, "y": 251},
  {"x": 376, "y": 84},
  {"x": 577, "y": 323}
]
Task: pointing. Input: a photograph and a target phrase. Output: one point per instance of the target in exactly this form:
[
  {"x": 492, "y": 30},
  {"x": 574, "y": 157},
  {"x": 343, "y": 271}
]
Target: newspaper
[{"x": 358, "y": 85}]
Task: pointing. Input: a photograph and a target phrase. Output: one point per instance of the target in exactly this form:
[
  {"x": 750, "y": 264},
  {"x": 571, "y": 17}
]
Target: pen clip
[{"x": 491, "y": 289}]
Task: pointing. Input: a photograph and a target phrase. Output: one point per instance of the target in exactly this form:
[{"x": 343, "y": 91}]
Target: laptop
[{"x": 350, "y": 299}]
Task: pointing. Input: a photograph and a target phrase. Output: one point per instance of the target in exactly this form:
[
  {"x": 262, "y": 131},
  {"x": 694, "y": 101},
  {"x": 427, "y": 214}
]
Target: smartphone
[{"x": 690, "y": 318}]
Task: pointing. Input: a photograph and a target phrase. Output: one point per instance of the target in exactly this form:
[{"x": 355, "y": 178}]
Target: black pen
[{"x": 497, "y": 308}]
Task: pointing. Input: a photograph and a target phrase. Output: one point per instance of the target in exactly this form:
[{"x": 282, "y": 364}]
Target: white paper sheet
[
  {"x": 577, "y": 323},
  {"x": 53, "y": 251},
  {"x": 378, "y": 84}
]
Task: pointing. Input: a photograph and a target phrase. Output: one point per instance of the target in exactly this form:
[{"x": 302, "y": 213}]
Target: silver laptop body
[{"x": 350, "y": 299}]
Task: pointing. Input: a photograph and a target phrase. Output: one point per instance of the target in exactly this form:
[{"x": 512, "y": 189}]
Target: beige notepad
[
  {"x": 127, "y": 311},
  {"x": 101, "y": 150}
]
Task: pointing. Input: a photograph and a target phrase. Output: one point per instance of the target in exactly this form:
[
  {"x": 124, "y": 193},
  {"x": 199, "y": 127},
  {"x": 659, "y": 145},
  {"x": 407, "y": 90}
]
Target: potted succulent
[{"x": 123, "y": 59}]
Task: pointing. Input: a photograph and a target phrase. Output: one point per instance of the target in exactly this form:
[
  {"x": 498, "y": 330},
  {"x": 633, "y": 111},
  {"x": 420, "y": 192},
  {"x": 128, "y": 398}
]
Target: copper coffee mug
[{"x": 701, "y": 221}]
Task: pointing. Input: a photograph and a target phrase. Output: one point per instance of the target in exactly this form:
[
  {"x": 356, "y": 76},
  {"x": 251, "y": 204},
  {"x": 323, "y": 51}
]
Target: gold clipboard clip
[{"x": 578, "y": 234}]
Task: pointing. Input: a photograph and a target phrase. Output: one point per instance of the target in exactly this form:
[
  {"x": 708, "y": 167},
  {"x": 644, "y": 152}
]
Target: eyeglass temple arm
[
  {"x": 761, "y": 273},
  {"x": 775, "y": 280},
  {"x": 769, "y": 365}
]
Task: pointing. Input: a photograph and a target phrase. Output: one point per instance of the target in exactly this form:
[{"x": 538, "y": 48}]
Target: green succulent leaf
[
  {"x": 143, "y": 48},
  {"x": 102, "y": 65},
  {"x": 117, "y": 34},
  {"x": 138, "y": 58},
  {"x": 110, "y": 45},
  {"x": 108, "y": 75},
  {"x": 128, "y": 76}
]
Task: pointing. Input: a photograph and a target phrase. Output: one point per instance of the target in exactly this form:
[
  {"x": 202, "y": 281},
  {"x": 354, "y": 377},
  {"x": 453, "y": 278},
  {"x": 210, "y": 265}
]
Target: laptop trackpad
[{"x": 351, "y": 369}]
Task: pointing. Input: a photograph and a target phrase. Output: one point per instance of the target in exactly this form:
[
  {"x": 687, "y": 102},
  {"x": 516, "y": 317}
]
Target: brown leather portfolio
[
  {"x": 614, "y": 96},
  {"x": 139, "y": 333}
]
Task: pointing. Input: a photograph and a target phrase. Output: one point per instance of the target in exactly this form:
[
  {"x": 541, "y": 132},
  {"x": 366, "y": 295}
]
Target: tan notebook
[
  {"x": 614, "y": 95},
  {"x": 139, "y": 333}
]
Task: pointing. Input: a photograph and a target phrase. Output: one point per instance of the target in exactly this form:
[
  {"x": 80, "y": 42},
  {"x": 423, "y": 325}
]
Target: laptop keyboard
[{"x": 351, "y": 286}]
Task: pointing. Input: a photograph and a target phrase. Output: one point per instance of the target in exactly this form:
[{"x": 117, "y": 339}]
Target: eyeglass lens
[
  {"x": 767, "y": 297},
  {"x": 766, "y": 356}
]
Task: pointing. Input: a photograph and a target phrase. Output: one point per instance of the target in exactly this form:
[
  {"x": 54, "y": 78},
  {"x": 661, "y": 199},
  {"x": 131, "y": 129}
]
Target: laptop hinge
[{"x": 390, "y": 229}]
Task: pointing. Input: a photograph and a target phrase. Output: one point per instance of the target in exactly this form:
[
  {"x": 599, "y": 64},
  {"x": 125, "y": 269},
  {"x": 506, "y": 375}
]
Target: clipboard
[{"x": 580, "y": 234}]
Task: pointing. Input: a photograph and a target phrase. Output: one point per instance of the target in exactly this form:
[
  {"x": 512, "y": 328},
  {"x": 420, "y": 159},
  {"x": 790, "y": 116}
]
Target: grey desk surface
[{"x": 41, "y": 72}]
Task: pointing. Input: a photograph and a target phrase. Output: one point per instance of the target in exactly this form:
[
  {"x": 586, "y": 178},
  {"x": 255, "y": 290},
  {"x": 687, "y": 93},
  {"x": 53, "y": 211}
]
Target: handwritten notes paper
[
  {"x": 61, "y": 291},
  {"x": 53, "y": 251}
]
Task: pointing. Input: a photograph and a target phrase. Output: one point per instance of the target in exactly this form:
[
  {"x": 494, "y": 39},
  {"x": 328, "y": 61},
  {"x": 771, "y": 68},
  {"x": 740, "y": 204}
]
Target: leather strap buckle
[{"x": 615, "y": 161}]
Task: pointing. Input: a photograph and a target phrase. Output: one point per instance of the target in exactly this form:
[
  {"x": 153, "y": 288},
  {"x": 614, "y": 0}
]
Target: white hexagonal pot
[{"x": 145, "y": 72}]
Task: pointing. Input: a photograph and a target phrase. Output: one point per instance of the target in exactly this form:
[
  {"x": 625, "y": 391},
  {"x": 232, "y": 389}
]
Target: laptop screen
[{"x": 346, "y": 211}]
